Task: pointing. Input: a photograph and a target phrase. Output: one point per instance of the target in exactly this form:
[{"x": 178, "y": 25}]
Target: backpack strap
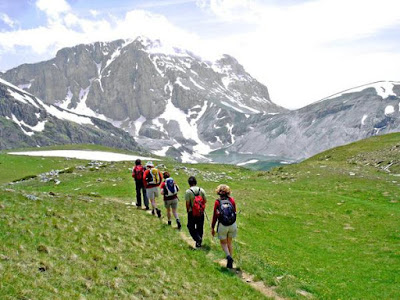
[{"x": 194, "y": 192}]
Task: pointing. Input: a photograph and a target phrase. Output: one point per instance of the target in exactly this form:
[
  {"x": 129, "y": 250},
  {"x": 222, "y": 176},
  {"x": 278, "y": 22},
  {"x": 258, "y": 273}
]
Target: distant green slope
[{"x": 328, "y": 227}]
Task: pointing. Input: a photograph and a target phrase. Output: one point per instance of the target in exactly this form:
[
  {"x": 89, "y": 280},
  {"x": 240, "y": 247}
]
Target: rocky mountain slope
[
  {"x": 340, "y": 119},
  {"x": 26, "y": 121},
  {"x": 172, "y": 101},
  {"x": 176, "y": 104}
]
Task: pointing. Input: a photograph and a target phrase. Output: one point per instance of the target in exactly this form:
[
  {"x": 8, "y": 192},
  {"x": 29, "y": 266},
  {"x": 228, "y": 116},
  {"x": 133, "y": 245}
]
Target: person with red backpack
[
  {"x": 225, "y": 213},
  {"x": 195, "y": 206},
  {"x": 152, "y": 179},
  {"x": 169, "y": 189},
  {"x": 137, "y": 174}
]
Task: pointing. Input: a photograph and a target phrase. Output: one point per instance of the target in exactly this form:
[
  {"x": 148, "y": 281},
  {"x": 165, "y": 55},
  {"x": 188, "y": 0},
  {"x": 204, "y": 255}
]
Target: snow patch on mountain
[
  {"x": 363, "y": 119},
  {"x": 179, "y": 82},
  {"x": 138, "y": 124},
  {"x": 85, "y": 154},
  {"x": 389, "y": 110},
  {"x": 37, "y": 128},
  {"x": 188, "y": 128},
  {"x": 161, "y": 152}
]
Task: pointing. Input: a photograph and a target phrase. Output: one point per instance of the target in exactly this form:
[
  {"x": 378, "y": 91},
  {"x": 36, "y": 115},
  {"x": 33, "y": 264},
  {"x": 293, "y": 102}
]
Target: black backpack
[{"x": 227, "y": 214}]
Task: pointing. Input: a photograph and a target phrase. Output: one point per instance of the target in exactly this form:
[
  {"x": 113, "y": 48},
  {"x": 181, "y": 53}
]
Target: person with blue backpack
[
  {"x": 169, "y": 189},
  {"x": 225, "y": 214}
]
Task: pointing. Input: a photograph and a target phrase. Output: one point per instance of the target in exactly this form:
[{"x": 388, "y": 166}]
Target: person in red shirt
[
  {"x": 169, "y": 189},
  {"x": 152, "y": 179},
  {"x": 225, "y": 214},
  {"x": 137, "y": 174}
]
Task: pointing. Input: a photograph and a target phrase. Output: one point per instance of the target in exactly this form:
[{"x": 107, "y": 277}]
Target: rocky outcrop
[
  {"x": 343, "y": 118},
  {"x": 26, "y": 121}
]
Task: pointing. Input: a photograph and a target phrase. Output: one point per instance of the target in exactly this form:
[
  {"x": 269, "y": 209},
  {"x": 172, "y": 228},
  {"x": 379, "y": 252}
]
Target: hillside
[{"x": 326, "y": 228}]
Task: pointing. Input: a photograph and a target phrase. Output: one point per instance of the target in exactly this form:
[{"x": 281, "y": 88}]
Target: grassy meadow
[{"x": 327, "y": 228}]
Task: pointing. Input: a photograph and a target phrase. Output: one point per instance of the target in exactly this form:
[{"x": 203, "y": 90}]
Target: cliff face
[
  {"x": 166, "y": 97},
  {"x": 26, "y": 121}
]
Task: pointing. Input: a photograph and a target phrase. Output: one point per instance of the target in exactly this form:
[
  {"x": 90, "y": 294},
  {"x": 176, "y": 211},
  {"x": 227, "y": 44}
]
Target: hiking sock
[
  {"x": 158, "y": 212},
  {"x": 152, "y": 212},
  {"x": 229, "y": 262}
]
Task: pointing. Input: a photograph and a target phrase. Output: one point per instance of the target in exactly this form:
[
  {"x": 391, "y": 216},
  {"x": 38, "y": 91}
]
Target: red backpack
[
  {"x": 137, "y": 172},
  {"x": 198, "y": 205}
]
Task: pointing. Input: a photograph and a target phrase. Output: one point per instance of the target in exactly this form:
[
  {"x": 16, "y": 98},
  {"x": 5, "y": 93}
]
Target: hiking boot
[
  {"x": 198, "y": 244},
  {"x": 179, "y": 224},
  {"x": 169, "y": 223},
  {"x": 152, "y": 212},
  {"x": 147, "y": 208},
  {"x": 158, "y": 212},
  {"x": 229, "y": 262}
]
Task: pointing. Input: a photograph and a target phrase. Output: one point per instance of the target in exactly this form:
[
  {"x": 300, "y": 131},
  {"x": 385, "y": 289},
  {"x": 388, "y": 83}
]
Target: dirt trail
[{"x": 245, "y": 277}]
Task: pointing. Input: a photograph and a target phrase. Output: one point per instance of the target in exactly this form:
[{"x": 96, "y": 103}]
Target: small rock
[
  {"x": 4, "y": 257},
  {"x": 352, "y": 173},
  {"x": 32, "y": 197}
]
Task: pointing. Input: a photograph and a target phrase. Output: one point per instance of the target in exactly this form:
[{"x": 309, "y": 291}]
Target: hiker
[
  {"x": 152, "y": 178},
  {"x": 225, "y": 213},
  {"x": 195, "y": 198},
  {"x": 137, "y": 174},
  {"x": 169, "y": 189}
]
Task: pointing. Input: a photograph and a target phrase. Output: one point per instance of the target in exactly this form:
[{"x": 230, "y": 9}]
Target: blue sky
[{"x": 302, "y": 50}]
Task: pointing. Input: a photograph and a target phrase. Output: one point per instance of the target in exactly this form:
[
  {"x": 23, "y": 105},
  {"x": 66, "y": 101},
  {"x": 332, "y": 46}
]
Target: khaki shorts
[
  {"x": 152, "y": 193},
  {"x": 225, "y": 232},
  {"x": 171, "y": 203}
]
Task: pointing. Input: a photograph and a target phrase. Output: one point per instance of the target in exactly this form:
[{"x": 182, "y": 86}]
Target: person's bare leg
[
  {"x": 169, "y": 214},
  {"x": 224, "y": 246},
  {"x": 230, "y": 247},
  {"x": 175, "y": 213}
]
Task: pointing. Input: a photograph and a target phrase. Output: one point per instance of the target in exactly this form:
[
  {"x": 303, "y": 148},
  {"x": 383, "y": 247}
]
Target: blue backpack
[
  {"x": 226, "y": 212},
  {"x": 170, "y": 188}
]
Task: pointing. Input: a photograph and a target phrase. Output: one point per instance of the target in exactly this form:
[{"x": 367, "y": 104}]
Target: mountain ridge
[{"x": 176, "y": 104}]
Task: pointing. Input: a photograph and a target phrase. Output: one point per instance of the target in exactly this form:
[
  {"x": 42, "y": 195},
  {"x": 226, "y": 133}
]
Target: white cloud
[
  {"x": 7, "y": 20},
  {"x": 304, "y": 52},
  {"x": 68, "y": 29},
  {"x": 53, "y": 8},
  {"x": 94, "y": 12}
]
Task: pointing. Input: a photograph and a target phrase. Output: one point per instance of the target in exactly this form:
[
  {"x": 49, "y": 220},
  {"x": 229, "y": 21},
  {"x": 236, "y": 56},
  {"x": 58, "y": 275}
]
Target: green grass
[{"x": 329, "y": 226}]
